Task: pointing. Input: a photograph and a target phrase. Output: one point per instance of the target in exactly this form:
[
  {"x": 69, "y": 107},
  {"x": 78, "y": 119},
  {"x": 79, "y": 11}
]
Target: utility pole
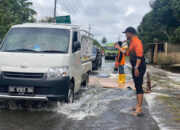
[
  {"x": 119, "y": 38},
  {"x": 90, "y": 27},
  {"x": 55, "y": 10}
]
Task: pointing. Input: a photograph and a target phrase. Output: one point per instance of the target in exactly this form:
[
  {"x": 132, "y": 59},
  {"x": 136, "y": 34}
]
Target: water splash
[{"x": 92, "y": 104}]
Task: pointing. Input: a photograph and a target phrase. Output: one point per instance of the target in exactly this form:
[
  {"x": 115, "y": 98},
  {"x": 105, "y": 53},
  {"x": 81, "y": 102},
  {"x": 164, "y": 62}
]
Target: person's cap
[{"x": 130, "y": 30}]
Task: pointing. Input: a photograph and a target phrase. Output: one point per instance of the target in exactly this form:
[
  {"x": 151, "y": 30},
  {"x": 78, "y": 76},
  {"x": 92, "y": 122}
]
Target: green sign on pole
[{"x": 63, "y": 19}]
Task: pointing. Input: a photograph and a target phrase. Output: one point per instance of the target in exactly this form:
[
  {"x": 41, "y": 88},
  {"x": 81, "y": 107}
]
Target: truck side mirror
[{"x": 77, "y": 46}]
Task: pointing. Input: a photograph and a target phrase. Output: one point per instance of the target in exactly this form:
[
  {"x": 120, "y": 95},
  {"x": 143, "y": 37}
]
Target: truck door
[{"x": 77, "y": 62}]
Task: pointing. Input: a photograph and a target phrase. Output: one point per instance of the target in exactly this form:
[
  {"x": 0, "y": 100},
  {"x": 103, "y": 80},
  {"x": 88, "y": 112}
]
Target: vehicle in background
[
  {"x": 97, "y": 58},
  {"x": 46, "y": 62},
  {"x": 110, "y": 51}
]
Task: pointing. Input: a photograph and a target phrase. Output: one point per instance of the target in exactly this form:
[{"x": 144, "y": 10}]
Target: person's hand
[
  {"x": 116, "y": 46},
  {"x": 136, "y": 73}
]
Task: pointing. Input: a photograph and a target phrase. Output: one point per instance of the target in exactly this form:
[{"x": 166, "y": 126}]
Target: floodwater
[{"x": 94, "y": 108}]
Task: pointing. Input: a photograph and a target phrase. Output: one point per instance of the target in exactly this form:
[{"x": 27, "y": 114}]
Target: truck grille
[
  {"x": 42, "y": 90},
  {"x": 23, "y": 75},
  {"x": 3, "y": 89}
]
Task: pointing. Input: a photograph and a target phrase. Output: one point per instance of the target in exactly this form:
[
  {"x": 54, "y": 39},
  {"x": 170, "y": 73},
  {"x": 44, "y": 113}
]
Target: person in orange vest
[
  {"x": 120, "y": 62},
  {"x": 137, "y": 60}
]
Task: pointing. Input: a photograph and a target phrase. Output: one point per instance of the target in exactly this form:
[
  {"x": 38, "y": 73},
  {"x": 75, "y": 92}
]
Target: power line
[
  {"x": 75, "y": 8},
  {"x": 78, "y": 13},
  {"x": 64, "y": 8},
  {"x": 67, "y": 5},
  {"x": 71, "y": 10},
  {"x": 72, "y": 7}
]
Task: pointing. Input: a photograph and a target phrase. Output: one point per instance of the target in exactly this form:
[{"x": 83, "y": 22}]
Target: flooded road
[{"x": 94, "y": 108}]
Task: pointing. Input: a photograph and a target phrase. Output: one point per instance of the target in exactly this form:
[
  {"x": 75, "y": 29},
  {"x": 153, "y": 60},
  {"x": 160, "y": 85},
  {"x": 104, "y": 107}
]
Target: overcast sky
[{"x": 109, "y": 17}]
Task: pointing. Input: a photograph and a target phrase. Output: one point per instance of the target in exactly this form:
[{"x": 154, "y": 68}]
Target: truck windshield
[
  {"x": 46, "y": 40},
  {"x": 111, "y": 48}
]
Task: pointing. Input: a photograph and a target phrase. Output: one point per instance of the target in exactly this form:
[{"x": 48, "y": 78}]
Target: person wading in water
[{"x": 138, "y": 64}]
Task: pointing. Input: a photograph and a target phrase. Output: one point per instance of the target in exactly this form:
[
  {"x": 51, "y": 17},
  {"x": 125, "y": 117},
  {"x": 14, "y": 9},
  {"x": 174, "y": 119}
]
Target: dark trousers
[{"x": 138, "y": 81}]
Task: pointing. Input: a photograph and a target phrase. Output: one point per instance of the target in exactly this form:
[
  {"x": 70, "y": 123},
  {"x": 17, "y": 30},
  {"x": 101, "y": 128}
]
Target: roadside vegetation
[
  {"x": 169, "y": 59},
  {"x": 15, "y": 12},
  {"x": 96, "y": 43},
  {"x": 173, "y": 103},
  {"x": 162, "y": 22}
]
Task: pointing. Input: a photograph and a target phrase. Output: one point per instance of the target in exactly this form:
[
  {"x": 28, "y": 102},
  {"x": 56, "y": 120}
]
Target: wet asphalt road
[{"x": 94, "y": 108}]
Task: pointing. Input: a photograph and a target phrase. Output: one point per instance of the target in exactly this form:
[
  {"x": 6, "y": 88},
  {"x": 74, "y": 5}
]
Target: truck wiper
[
  {"x": 21, "y": 50},
  {"x": 52, "y": 51}
]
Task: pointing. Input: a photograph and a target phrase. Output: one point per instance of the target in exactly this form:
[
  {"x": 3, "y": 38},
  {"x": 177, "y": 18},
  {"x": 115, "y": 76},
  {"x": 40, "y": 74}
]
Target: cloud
[
  {"x": 109, "y": 17},
  {"x": 130, "y": 11}
]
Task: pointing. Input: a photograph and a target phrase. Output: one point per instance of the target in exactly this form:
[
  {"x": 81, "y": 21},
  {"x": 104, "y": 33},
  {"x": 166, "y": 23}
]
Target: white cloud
[
  {"x": 109, "y": 17},
  {"x": 130, "y": 11}
]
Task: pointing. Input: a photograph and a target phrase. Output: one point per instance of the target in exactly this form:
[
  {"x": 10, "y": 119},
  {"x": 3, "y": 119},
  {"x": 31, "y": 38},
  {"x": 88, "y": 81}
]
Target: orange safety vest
[{"x": 121, "y": 58}]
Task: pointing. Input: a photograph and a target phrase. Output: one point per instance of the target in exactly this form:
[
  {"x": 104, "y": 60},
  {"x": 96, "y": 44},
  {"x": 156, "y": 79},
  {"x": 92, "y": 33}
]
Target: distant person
[
  {"x": 138, "y": 64},
  {"x": 120, "y": 62}
]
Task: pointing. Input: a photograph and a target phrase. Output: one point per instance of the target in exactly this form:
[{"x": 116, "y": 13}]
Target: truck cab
[
  {"x": 110, "y": 51},
  {"x": 43, "y": 62}
]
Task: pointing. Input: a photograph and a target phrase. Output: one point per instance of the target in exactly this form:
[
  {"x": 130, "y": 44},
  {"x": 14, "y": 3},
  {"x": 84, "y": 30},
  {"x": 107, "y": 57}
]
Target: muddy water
[{"x": 94, "y": 108}]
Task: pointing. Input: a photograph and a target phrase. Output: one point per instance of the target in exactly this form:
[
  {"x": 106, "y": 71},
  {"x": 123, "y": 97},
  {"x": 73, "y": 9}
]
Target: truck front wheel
[
  {"x": 85, "y": 83},
  {"x": 70, "y": 96}
]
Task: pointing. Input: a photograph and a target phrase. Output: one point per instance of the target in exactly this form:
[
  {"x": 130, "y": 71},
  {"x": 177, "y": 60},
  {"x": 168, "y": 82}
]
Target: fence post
[
  {"x": 149, "y": 81},
  {"x": 166, "y": 48},
  {"x": 155, "y": 54}
]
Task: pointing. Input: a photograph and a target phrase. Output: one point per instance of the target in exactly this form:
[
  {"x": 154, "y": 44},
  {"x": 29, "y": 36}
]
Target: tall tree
[
  {"x": 96, "y": 43},
  {"x": 104, "y": 40},
  {"x": 162, "y": 22},
  {"x": 14, "y": 12}
]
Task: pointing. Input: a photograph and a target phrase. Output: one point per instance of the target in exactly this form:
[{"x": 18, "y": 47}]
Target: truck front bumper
[
  {"x": 31, "y": 98},
  {"x": 45, "y": 89},
  {"x": 111, "y": 55}
]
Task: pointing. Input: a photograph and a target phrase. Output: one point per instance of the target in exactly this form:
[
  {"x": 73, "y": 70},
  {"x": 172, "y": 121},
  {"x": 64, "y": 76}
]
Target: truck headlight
[{"x": 58, "y": 72}]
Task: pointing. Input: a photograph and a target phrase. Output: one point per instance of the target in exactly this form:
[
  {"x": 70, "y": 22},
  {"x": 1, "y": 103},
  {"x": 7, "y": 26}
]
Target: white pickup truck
[{"x": 47, "y": 62}]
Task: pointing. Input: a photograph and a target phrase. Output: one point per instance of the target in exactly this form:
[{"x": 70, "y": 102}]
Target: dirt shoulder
[{"x": 164, "y": 101}]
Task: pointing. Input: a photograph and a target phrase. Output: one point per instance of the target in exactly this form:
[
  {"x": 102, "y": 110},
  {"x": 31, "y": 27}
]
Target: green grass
[{"x": 174, "y": 104}]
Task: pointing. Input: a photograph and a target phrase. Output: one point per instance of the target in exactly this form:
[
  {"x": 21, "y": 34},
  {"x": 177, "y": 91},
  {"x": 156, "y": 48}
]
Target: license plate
[{"x": 15, "y": 90}]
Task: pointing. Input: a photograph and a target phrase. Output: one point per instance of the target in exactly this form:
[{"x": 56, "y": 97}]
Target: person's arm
[
  {"x": 136, "y": 71},
  {"x": 120, "y": 48},
  {"x": 138, "y": 62},
  {"x": 139, "y": 54}
]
